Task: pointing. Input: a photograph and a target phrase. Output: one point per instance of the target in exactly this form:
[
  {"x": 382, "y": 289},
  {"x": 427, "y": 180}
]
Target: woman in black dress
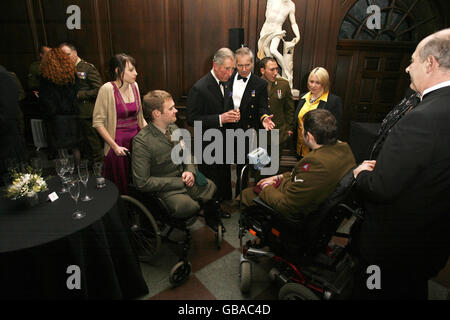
[{"x": 58, "y": 93}]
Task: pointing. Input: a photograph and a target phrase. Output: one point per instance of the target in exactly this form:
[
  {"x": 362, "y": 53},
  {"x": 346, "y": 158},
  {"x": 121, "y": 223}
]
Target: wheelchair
[
  {"x": 306, "y": 267},
  {"x": 146, "y": 215}
]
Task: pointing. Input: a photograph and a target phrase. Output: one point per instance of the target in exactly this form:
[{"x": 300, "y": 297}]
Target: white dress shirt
[
  {"x": 435, "y": 87},
  {"x": 238, "y": 90}
]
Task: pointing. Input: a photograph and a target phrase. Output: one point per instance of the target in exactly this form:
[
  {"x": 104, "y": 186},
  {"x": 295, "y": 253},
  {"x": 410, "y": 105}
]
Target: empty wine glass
[
  {"x": 74, "y": 189},
  {"x": 83, "y": 173},
  {"x": 61, "y": 169},
  {"x": 70, "y": 166}
]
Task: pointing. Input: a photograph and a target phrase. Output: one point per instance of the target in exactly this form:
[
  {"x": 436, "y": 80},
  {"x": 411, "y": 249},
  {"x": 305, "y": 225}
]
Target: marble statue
[{"x": 272, "y": 33}]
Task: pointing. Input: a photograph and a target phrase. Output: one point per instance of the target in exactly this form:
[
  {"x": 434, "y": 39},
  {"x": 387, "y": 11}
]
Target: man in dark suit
[
  {"x": 405, "y": 232},
  {"x": 249, "y": 96},
  {"x": 209, "y": 102}
]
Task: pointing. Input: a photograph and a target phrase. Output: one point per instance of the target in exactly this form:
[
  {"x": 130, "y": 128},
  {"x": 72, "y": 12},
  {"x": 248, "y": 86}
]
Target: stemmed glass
[
  {"x": 70, "y": 166},
  {"x": 74, "y": 189},
  {"x": 61, "y": 169},
  {"x": 83, "y": 173}
]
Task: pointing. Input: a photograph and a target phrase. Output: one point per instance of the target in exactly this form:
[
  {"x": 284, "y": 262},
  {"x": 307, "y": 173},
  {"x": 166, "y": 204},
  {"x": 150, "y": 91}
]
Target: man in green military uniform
[
  {"x": 90, "y": 83},
  {"x": 34, "y": 72},
  {"x": 297, "y": 193},
  {"x": 280, "y": 100},
  {"x": 154, "y": 170}
]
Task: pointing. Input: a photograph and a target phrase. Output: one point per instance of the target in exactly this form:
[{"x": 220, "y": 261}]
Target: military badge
[
  {"x": 81, "y": 75},
  {"x": 279, "y": 93},
  {"x": 253, "y": 93}
]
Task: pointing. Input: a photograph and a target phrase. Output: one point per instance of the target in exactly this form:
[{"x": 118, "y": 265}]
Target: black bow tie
[
  {"x": 243, "y": 78},
  {"x": 223, "y": 84}
]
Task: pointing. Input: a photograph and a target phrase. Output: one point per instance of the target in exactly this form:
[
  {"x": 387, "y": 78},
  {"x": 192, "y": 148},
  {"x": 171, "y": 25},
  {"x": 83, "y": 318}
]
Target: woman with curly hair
[{"x": 58, "y": 92}]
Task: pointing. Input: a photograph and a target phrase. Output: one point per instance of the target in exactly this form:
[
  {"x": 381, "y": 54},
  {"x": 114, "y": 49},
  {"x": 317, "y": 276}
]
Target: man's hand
[
  {"x": 368, "y": 165},
  {"x": 188, "y": 178},
  {"x": 230, "y": 116},
  {"x": 268, "y": 123},
  {"x": 269, "y": 180}
]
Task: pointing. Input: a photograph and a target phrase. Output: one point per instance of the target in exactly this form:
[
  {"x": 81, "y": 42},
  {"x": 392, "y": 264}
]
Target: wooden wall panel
[
  {"x": 16, "y": 36},
  {"x": 205, "y": 30}
]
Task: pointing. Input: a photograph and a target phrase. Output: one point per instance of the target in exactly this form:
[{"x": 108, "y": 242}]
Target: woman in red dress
[{"x": 118, "y": 118}]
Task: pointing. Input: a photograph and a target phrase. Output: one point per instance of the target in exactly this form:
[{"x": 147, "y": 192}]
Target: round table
[
  {"x": 40, "y": 245},
  {"x": 22, "y": 227}
]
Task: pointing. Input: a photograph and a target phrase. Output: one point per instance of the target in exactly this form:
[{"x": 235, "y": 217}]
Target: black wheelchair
[
  {"x": 147, "y": 214},
  {"x": 306, "y": 267}
]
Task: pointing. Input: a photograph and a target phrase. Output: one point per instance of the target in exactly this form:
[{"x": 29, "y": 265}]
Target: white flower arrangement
[{"x": 25, "y": 184}]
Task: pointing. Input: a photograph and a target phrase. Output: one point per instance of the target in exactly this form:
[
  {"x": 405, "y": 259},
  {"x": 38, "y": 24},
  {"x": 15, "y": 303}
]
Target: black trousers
[{"x": 220, "y": 174}]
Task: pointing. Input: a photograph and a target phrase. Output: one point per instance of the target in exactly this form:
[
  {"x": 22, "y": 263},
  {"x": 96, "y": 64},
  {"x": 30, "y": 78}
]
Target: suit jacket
[
  {"x": 311, "y": 181},
  {"x": 334, "y": 105},
  {"x": 407, "y": 194},
  {"x": 282, "y": 107},
  {"x": 254, "y": 103},
  {"x": 205, "y": 102},
  {"x": 152, "y": 167}
]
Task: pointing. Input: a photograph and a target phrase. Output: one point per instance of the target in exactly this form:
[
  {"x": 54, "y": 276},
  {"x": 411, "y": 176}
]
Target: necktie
[
  {"x": 168, "y": 135},
  {"x": 243, "y": 78}
]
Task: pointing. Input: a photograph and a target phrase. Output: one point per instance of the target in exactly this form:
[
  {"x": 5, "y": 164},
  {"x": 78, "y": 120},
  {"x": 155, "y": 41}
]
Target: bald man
[{"x": 405, "y": 232}]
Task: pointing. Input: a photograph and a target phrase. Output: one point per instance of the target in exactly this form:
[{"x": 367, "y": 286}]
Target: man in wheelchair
[
  {"x": 296, "y": 214},
  {"x": 297, "y": 193},
  {"x": 180, "y": 186}
]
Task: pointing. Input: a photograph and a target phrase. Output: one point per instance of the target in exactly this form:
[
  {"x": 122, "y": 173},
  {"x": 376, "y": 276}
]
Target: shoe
[{"x": 224, "y": 214}]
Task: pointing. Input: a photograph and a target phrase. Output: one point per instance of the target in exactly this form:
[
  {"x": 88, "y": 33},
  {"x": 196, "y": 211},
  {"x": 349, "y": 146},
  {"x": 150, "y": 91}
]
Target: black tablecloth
[{"x": 38, "y": 245}]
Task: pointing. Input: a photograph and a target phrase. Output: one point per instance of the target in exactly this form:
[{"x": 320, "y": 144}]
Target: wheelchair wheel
[
  {"x": 180, "y": 273},
  {"x": 245, "y": 276},
  {"x": 219, "y": 236},
  {"x": 296, "y": 291},
  {"x": 144, "y": 230}
]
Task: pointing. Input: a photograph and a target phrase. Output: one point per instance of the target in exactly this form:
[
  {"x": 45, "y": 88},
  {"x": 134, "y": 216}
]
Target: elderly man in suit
[
  {"x": 405, "y": 232},
  {"x": 249, "y": 96},
  {"x": 155, "y": 171},
  {"x": 209, "y": 102}
]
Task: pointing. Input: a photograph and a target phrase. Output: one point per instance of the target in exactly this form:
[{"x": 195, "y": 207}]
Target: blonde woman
[
  {"x": 318, "y": 97},
  {"x": 118, "y": 118}
]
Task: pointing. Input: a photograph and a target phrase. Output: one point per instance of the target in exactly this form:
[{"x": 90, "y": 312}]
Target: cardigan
[{"x": 105, "y": 114}]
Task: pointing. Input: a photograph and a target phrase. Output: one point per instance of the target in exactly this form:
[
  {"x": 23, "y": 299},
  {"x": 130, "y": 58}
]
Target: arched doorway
[{"x": 371, "y": 62}]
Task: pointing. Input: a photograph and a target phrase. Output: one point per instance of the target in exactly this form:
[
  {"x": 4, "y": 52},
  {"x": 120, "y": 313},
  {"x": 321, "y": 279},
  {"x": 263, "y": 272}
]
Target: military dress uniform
[
  {"x": 90, "y": 83},
  {"x": 281, "y": 105},
  {"x": 311, "y": 181},
  {"x": 33, "y": 76},
  {"x": 154, "y": 171}
]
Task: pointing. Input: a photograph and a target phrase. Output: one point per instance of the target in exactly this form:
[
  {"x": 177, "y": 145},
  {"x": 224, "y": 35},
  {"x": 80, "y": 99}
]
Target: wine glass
[
  {"x": 83, "y": 173},
  {"x": 61, "y": 168},
  {"x": 74, "y": 189},
  {"x": 70, "y": 166}
]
